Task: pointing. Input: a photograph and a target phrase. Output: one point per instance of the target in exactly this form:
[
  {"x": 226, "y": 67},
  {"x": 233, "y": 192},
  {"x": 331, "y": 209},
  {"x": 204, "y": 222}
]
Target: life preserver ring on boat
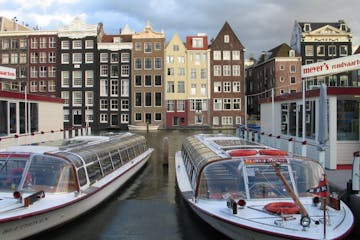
[
  {"x": 282, "y": 208},
  {"x": 242, "y": 152},
  {"x": 273, "y": 152}
]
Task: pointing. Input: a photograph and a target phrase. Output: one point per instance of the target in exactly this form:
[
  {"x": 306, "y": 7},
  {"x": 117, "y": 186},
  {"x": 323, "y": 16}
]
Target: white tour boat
[
  {"x": 45, "y": 185},
  {"x": 249, "y": 191}
]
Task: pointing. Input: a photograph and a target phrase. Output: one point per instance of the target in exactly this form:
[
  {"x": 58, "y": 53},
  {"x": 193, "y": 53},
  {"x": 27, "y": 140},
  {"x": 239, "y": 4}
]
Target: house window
[
  {"x": 170, "y": 106},
  {"x": 104, "y": 57},
  {"x": 138, "y": 80},
  {"x": 103, "y": 104},
  {"x": 104, "y": 70},
  {"x": 89, "y": 57},
  {"x": 65, "y": 79},
  {"x": 180, "y": 105},
  {"x": 77, "y": 98},
  {"x": 226, "y": 70},
  {"x": 147, "y": 63},
  {"x": 89, "y": 44},
  {"x": 77, "y": 58},
  {"x": 227, "y": 120},
  {"x": 125, "y": 70},
  {"x": 148, "y": 80},
  {"x": 236, "y": 87},
  {"x": 309, "y": 50},
  {"x": 148, "y": 101},
  {"x": 332, "y": 50},
  {"x": 226, "y": 55},
  {"x": 197, "y": 42},
  {"x": 292, "y": 68},
  {"x": 138, "y": 99},
  {"x": 226, "y": 39},
  {"x": 203, "y": 73},
  {"x": 181, "y": 87},
  {"x": 227, "y": 86},
  {"x": 217, "y": 55},
  {"x": 227, "y": 104},
  {"x": 157, "y": 63},
  {"x": 89, "y": 78},
  {"x": 65, "y": 58},
  {"x": 52, "y": 57},
  {"x": 217, "y": 104},
  {"x": 114, "y": 104},
  {"x": 65, "y": 95},
  {"x": 170, "y": 87},
  {"x": 103, "y": 118},
  {"x": 103, "y": 87},
  {"x": 77, "y": 44},
  {"x": 124, "y": 105},
  {"x": 236, "y": 70},
  {"x": 138, "y": 117},
  {"x": 125, "y": 57},
  {"x": 292, "y": 80},
  {"x": 65, "y": 44},
  {"x": 217, "y": 70},
  {"x": 343, "y": 50},
  {"x": 138, "y": 63},
  {"x": 114, "y": 57},
  {"x": 158, "y": 80},
  {"x": 124, "y": 118},
  {"x": 114, "y": 87},
  {"x": 147, "y": 47},
  {"x": 89, "y": 101},
  {"x": 125, "y": 87},
  {"x": 321, "y": 50},
  {"x": 236, "y": 55},
  {"x": 217, "y": 86},
  {"x": 203, "y": 89},
  {"x": 237, "y": 104},
  {"x": 77, "y": 78},
  {"x": 158, "y": 99}
]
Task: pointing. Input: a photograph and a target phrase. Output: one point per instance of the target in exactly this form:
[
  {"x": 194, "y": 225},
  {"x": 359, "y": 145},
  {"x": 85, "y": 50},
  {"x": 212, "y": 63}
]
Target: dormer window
[
  {"x": 292, "y": 53},
  {"x": 343, "y": 27},
  {"x": 197, "y": 43},
  {"x": 307, "y": 27}
]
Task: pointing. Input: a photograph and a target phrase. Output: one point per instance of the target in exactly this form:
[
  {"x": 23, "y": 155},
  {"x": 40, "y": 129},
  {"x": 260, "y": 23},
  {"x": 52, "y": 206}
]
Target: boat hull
[{"x": 30, "y": 224}]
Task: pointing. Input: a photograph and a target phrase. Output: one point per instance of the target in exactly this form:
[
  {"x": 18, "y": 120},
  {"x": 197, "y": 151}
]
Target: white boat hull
[
  {"x": 32, "y": 223},
  {"x": 254, "y": 224}
]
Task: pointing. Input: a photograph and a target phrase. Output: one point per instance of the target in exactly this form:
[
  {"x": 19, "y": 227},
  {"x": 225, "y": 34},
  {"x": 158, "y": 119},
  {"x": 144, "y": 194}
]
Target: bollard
[{"x": 165, "y": 151}]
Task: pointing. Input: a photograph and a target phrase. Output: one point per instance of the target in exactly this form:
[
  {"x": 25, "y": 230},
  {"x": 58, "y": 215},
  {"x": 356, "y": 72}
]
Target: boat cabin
[
  {"x": 219, "y": 168},
  {"x": 67, "y": 165}
]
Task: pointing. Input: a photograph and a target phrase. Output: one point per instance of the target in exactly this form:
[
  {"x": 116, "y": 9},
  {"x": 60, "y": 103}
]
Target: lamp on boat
[
  {"x": 17, "y": 194},
  {"x": 316, "y": 200},
  {"x": 241, "y": 203}
]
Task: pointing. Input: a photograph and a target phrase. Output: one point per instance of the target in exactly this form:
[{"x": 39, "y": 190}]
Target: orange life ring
[
  {"x": 282, "y": 208},
  {"x": 273, "y": 152},
  {"x": 242, "y": 152}
]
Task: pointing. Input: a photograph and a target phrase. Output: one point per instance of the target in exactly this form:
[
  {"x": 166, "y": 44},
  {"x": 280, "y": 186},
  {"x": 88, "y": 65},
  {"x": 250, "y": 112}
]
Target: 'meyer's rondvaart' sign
[
  {"x": 332, "y": 66},
  {"x": 7, "y": 73}
]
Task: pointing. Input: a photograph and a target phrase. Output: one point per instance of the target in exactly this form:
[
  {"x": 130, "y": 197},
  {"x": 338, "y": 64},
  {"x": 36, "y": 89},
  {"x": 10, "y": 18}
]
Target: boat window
[
  {"x": 94, "y": 171},
  {"x": 82, "y": 176},
  {"x": 11, "y": 170},
  {"x": 71, "y": 157},
  {"x": 106, "y": 164},
  {"x": 115, "y": 157},
  {"x": 264, "y": 183},
  {"x": 221, "y": 180},
  {"x": 307, "y": 174},
  {"x": 50, "y": 174},
  {"x": 124, "y": 156}
]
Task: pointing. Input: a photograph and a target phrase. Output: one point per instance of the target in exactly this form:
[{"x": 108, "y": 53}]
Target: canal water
[{"x": 147, "y": 207}]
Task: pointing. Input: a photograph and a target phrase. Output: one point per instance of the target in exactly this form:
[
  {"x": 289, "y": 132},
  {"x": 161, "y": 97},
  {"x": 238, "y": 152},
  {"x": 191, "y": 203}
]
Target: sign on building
[
  {"x": 7, "y": 73},
  {"x": 331, "y": 67}
]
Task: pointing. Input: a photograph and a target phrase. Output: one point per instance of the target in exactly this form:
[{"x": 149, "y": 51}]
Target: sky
[{"x": 260, "y": 25}]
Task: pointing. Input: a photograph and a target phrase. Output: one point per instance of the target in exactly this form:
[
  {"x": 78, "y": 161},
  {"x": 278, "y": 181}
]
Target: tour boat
[
  {"x": 147, "y": 127},
  {"x": 250, "y": 191},
  {"x": 51, "y": 183}
]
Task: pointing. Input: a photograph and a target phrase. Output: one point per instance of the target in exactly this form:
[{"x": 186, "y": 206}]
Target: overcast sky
[{"x": 259, "y": 24}]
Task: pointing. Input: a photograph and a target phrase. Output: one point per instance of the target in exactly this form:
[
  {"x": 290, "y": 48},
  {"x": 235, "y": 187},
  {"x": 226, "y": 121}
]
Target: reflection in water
[{"x": 148, "y": 207}]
